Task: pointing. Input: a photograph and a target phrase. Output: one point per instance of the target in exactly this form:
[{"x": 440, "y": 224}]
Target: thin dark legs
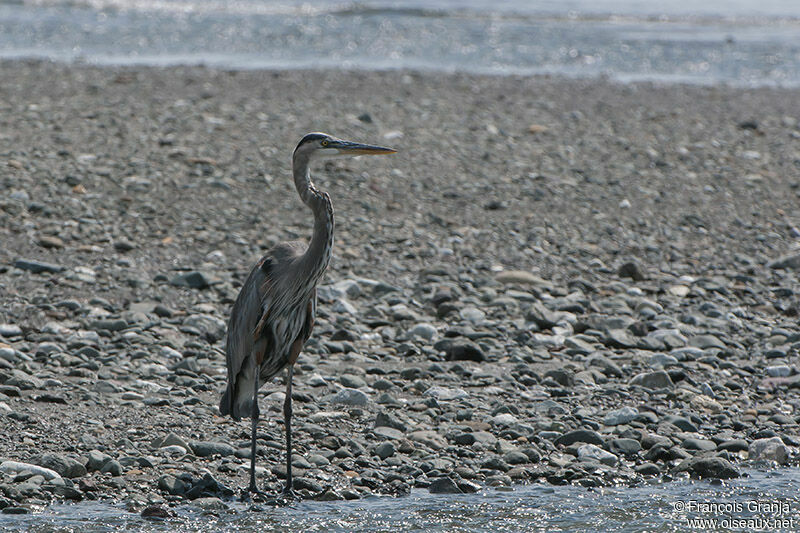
[
  {"x": 287, "y": 419},
  {"x": 254, "y": 415}
]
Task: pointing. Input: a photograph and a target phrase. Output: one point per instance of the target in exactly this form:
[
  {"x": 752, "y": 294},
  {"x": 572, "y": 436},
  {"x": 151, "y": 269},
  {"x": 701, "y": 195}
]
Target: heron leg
[
  {"x": 287, "y": 419},
  {"x": 254, "y": 416}
]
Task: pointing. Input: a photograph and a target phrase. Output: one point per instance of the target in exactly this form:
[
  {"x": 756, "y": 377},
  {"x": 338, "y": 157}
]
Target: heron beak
[{"x": 351, "y": 148}]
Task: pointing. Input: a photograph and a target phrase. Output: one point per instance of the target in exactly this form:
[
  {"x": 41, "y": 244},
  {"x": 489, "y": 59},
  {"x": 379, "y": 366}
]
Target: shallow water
[
  {"x": 742, "y": 42},
  {"x": 767, "y": 501}
]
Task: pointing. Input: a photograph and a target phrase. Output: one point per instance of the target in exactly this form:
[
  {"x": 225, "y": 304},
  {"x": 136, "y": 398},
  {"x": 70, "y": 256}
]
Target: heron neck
[{"x": 315, "y": 259}]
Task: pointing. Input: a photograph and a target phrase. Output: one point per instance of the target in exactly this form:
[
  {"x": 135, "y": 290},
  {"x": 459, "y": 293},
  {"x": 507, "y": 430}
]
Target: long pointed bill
[{"x": 351, "y": 148}]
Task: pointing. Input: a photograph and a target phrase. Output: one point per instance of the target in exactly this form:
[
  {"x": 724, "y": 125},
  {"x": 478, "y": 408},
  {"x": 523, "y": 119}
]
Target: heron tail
[
  {"x": 236, "y": 403},
  {"x": 226, "y": 405}
]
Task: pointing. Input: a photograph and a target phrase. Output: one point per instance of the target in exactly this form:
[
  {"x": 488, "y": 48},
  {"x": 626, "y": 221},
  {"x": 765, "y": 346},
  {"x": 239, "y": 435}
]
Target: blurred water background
[{"x": 740, "y": 42}]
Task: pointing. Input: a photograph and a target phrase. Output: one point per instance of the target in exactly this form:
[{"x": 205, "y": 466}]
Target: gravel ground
[{"x": 562, "y": 281}]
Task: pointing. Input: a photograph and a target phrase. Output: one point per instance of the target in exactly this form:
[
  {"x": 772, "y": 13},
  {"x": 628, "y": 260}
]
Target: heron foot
[
  {"x": 287, "y": 497},
  {"x": 283, "y": 499},
  {"x": 251, "y": 492}
]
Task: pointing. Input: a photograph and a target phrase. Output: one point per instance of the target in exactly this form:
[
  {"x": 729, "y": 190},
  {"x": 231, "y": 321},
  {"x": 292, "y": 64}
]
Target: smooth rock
[
  {"x": 423, "y": 331},
  {"x": 65, "y": 466},
  {"x": 14, "y": 467},
  {"x": 590, "y": 451},
  {"x": 786, "y": 262},
  {"x": 521, "y": 277},
  {"x": 633, "y": 270},
  {"x": 771, "y": 449},
  {"x": 653, "y": 380},
  {"x": 781, "y": 371},
  {"x": 37, "y": 267},
  {"x": 708, "y": 467},
  {"x": 702, "y": 445},
  {"x": 352, "y": 381},
  {"x": 619, "y": 416},
  {"x": 192, "y": 280},
  {"x": 112, "y": 467},
  {"x": 446, "y": 393},
  {"x": 10, "y": 330},
  {"x": 464, "y": 350},
  {"x": 444, "y": 485},
  {"x": 385, "y": 450},
  {"x": 96, "y": 460},
  {"x": 625, "y": 446},
  {"x": 579, "y": 435},
  {"x": 172, "y": 485},
  {"x": 353, "y": 397},
  {"x": 173, "y": 440},
  {"x": 209, "y": 448}
]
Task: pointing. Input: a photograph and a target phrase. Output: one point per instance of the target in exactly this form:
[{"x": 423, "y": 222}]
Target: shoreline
[
  {"x": 568, "y": 280},
  {"x": 623, "y": 79}
]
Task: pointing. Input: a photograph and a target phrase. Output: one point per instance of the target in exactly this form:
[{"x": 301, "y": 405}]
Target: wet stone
[
  {"x": 698, "y": 444},
  {"x": 14, "y": 467},
  {"x": 171, "y": 485},
  {"x": 647, "y": 469},
  {"x": 16, "y": 509},
  {"x": 495, "y": 463},
  {"x": 735, "y": 445},
  {"x": 625, "y": 446},
  {"x": 444, "y": 485},
  {"x": 65, "y": 466},
  {"x": 468, "y": 487},
  {"x": 786, "y": 262},
  {"x": 330, "y": 495},
  {"x": 768, "y": 449},
  {"x": 591, "y": 451},
  {"x": 209, "y": 504},
  {"x": 516, "y": 458},
  {"x": 382, "y": 384},
  {"x": 579, "y": 435},
  {"x": 708, "y": 467},
  {"x": 157, "y": 511},
  {"x": 62, "y": 491}
]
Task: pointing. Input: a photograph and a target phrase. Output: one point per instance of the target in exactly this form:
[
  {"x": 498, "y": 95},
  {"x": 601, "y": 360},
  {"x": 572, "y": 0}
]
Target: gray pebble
[{"x": 351, "y": 397}]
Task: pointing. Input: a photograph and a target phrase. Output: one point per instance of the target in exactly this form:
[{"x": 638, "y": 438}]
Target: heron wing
[
  {"x": 248, "y": 316},
  {"x": 305, "y": 331},
  {"x": 248, "y": 334}
]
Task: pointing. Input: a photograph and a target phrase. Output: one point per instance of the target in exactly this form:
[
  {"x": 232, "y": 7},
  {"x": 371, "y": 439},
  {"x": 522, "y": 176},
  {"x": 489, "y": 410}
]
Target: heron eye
[{"x": 325, "y": 142}]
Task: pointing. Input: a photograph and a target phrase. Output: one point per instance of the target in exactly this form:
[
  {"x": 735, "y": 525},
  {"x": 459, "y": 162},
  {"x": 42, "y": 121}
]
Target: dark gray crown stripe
[{"x": 311, "y": 137}]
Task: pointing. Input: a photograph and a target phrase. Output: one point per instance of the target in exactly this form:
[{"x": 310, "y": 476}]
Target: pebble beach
[{"x": 561, "y": 281}]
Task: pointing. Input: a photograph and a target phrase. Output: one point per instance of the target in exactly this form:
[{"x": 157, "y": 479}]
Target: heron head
[{"x": 322, "y": 144}]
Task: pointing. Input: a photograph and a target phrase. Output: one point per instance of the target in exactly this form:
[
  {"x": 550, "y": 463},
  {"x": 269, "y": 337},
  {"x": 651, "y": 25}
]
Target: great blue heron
[{"x": 273, "y": 315}]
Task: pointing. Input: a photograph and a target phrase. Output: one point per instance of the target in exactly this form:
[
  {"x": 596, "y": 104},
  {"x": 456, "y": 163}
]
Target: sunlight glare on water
[{"x": 647, "y": 507}]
